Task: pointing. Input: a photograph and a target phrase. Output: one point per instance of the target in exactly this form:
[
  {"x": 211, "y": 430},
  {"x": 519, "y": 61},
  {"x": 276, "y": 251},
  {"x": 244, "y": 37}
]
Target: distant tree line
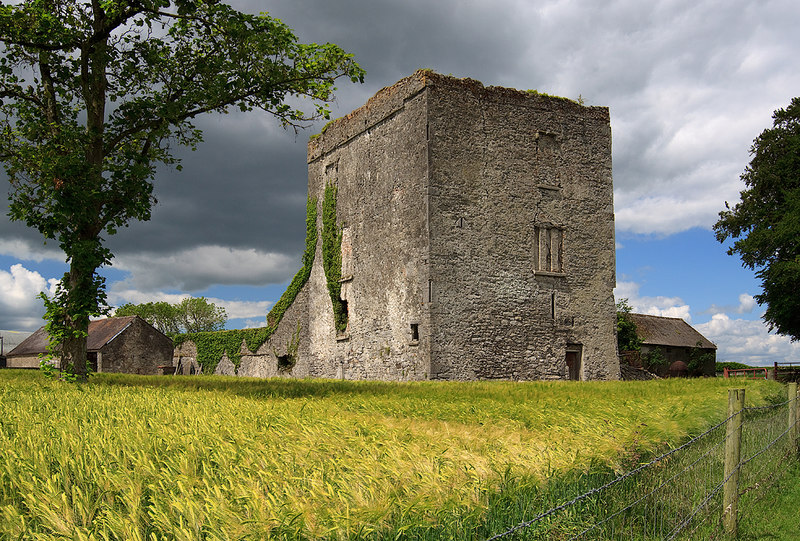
[{"x": 193, "y": 314}]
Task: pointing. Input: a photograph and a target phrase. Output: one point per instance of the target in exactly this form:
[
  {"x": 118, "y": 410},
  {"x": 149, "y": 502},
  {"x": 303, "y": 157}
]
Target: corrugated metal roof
[
  {"x": 668, "y": 331},
  {"x": 101, "y": 332}
]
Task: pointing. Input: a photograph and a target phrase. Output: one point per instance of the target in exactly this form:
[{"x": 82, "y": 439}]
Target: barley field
[{"x": 189, "y": 458}]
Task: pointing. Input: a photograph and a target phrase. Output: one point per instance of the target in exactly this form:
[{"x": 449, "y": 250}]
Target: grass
[
  {"x": 773, "y": 514},
  {"x": 134, "y": 457}
]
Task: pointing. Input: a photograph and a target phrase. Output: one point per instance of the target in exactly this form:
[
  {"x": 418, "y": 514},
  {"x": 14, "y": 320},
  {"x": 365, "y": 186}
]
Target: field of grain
[{"x": 190, "y": 458}]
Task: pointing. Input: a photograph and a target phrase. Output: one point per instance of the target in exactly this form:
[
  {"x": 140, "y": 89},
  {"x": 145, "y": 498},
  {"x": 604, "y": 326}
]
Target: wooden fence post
[
  {"x": 733, "y": 446},
  {"x": 792, "y": 396}
]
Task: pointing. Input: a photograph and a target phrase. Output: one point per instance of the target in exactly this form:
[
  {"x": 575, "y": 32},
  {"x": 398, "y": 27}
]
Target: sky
[{"x": 689, "y": 85}]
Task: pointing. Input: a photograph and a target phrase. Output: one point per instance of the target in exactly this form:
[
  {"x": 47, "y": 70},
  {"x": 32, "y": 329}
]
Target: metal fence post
[
  {"x": 733, "y": 446},
  {"x": 792, "y": 396}
]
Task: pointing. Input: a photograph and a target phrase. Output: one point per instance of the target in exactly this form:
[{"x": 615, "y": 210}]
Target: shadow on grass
[{"x": 261, "y": 388}]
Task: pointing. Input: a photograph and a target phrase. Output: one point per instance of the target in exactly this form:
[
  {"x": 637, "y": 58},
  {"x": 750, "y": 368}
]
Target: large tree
[
  {"x": 766, "y": 221},
  {"x": 96, "y": 93}
]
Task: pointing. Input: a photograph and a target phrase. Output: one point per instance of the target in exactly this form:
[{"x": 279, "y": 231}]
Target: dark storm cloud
[
  {"x": 245, "y": 187},
  {"x": 688, "y": 83}
]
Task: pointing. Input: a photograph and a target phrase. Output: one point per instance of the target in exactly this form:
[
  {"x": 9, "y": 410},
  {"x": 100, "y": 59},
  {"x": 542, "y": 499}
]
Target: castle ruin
[{"x": 474, "y": 230}]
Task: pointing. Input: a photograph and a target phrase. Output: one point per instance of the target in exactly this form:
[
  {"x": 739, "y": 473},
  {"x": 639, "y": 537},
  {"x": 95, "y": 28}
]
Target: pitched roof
[
  {"x": 101, "y": 332},
  {"x": 668, "y": 331}
]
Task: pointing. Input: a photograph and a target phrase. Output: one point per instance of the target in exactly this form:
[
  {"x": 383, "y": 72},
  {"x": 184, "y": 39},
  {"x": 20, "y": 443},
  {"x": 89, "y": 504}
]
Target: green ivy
[
  {"x": 300, "y": 279},
  {"x": 211, "y": 346},
  {"x": 332, "y": 256}
]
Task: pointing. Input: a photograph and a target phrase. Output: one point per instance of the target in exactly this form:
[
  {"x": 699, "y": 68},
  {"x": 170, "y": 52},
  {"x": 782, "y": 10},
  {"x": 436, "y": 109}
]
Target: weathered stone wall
[
  {"x": 484, "y": 217},
  {"x": 139, "y": 349},
  {"x": 512, "y": 174},
  {"x": 377, "y": 157},
  {"x": 30, "y": 361}
]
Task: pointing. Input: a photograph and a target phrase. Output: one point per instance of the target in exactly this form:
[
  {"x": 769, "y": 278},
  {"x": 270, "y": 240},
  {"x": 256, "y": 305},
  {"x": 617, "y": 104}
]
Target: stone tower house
[{"x": 477, "y": 238}]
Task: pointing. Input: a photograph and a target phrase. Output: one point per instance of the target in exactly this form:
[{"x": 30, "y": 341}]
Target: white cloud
[
  {"x": 254, "y": 323},
  {"x": 654, "y": 306},
  {"x": 20, "y": 309},
  {"x": 21, "y": 249},
  {"x": 747, "y": 303},
  {"x": 197, "y": 268},
  {"x": 245, "y": 309},
  {"x": 748, "y": 341}
]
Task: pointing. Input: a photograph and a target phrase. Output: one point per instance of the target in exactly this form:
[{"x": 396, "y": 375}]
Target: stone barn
[
  {"x": 675, "y": 343},
  {"x": 117, "y": 344},
  {"x": 462, "y": 232}
]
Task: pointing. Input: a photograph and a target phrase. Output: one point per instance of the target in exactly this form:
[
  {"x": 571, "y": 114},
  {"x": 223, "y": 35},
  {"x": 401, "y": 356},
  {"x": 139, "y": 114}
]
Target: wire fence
[{"x": 678, "y": 495}]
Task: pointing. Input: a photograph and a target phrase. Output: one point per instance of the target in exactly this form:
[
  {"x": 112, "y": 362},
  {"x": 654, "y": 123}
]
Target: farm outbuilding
[
  {"x": 675, "y": 344},
  {"x": 116, "y": 344}
]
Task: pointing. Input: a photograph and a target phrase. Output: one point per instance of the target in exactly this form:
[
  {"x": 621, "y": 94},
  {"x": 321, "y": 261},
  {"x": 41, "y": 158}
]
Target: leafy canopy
[
  {"x": 193, "y": 314},
  {"x": 94, "y": 95},
  {"x": 766, "y": 222}
]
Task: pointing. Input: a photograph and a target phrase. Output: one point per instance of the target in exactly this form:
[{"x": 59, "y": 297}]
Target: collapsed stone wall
[{"x": 284, "y": 354}]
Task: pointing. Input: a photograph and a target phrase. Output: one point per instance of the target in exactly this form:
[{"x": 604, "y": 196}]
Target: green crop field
[{"x": 129, "y": 457}]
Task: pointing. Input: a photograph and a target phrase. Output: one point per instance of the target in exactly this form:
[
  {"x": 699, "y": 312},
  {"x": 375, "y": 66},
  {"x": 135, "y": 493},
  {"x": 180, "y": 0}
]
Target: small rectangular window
[
  {"x": 548, "y": 249},
  {"x": 415, "y": 332}
]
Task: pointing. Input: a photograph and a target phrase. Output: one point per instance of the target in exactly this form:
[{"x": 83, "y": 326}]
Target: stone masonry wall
[
  {"x": 139, "y": 349},
  {"x": 377, "y": 156},
  {"x": 522, "y": 234}
]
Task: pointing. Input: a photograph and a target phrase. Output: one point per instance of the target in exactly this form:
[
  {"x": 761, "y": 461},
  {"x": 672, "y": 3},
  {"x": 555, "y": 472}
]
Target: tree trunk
[{"x": 74, "y": 351}]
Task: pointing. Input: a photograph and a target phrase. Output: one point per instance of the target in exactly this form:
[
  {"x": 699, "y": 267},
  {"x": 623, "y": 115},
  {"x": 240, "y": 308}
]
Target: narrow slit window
[{"x": 415, "y": 332}]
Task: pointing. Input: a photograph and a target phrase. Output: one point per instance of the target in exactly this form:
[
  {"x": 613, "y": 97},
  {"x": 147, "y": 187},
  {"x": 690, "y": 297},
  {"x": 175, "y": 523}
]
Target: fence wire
[{"x": 677, "y": 495}]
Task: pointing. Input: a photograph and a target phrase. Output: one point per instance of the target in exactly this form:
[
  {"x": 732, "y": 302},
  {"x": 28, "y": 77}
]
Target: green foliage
[
  {"x": 196, "y": 314},
  {"x": 534, "y": 92},
  {"x": 212, "y": 345},
  {"x": 627, "y": 337},
  {"x": 655, "y": 359},
  {"x": 161, "y": 315},
  {"x": 192, "y": 314},
  {"x": 721, "y": 366},
  {"x": 80, "y": 168},
  {"x": 65, "y": 328},
  {"x": 287, "y": 299},
  {"x": 766, "y": 221},
  {"x": 332, "y": 256},
  {"x": 698, "y": 358}
]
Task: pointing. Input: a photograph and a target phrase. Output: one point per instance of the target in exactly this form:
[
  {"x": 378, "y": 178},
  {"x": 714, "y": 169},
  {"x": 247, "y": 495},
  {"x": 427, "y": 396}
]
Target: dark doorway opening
[{"x": 573, "y": 359}]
